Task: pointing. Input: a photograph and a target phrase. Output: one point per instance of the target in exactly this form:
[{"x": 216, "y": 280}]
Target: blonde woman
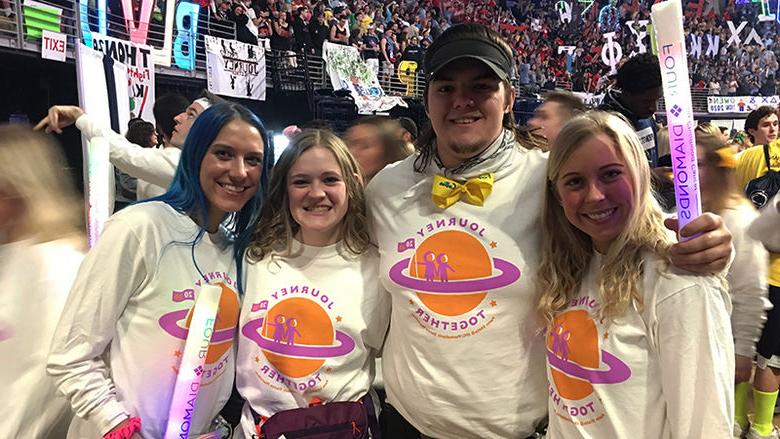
[
  {"x": 635, "y": 347},
  {"x": 314, "y": 317},
  {"x": 748, "y": 272},
  {"x": 41, "y": 247}
]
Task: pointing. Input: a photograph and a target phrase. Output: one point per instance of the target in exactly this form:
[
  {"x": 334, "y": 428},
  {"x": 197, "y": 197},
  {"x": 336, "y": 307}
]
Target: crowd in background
[{"x": 389, "y": 32}]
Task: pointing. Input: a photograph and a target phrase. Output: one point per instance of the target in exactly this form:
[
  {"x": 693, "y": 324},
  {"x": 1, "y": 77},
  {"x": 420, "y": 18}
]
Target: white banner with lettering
[
  {"x": 140, "y": 72},
  {"x": 235, "y": 69},
  {"x": 739, "y": 104},
  {"x": 348, "y": 71}
]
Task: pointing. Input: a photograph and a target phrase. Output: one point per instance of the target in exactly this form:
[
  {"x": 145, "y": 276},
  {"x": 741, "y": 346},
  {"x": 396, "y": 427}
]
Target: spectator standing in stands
[
  {"x": 636, "y": 96},
  {"x": 339, "y": 32},
  {"x": 732, "y": 86},
  {"x": 413, "y": 51},
  {"x": 524, "y": 72},
  {"x": 319, "y": 31},
  {"x": 370, "y": 49},
  {"x": 282, "y": 38},
  {"x": 244, "y": 33},
  {"x": 223, "y": 10},
  {"x": 301, "y": 30},
  {"x": 389, "y": 48},
  {"x": 714, "y": 86},
  {"x": 265, "y": 27}
]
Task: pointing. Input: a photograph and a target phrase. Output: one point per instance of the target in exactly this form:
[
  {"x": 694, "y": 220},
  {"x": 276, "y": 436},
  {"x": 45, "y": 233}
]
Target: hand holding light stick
[
  {"x": 185, "y": 391},
  {"x": 668, "y": 26}
]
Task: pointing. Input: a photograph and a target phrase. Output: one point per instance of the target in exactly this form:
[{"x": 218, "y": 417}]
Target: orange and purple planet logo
[
  {"x": 576, "y": 360},
  {"x": 177, "y": 324},
  {"x": 297, "y": 336},
  {"x": 451, "y": 272}
]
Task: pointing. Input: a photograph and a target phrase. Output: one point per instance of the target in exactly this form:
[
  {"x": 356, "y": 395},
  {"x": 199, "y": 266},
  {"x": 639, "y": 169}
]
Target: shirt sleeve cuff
[
  {"x": 83, "y": 122},
  {"x": 109, "y": 415},
  {"x": 745, "y": 349}
]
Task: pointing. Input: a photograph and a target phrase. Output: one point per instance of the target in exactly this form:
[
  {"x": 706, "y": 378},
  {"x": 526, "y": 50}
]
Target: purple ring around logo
[
  {"x": 252, "y": 330},
  {"x": 509, "y": 274},
  {"x": 617, "y": 371},
  {"x": 170, "y": 323}
]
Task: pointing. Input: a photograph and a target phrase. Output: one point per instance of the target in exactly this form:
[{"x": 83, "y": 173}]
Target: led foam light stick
[
  {"x": 668, "y": 26},
  {"x": 98, "y": 171},
  {"x": 185, "y": 391}
]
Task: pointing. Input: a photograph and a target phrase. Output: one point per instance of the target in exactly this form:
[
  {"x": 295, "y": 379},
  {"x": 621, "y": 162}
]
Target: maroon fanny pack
[{"x": 334, "y": 420}]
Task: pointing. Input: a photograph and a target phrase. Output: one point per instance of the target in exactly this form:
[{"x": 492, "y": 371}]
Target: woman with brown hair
[{"x": 314, "y": 317}]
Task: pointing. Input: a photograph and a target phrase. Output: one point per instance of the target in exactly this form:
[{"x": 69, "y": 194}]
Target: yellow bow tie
[{"x": 447, "y": 192}]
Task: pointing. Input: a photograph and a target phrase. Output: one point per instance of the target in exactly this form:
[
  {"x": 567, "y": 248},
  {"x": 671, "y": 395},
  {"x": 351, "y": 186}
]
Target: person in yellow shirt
[{"x": 761, "y": 124}]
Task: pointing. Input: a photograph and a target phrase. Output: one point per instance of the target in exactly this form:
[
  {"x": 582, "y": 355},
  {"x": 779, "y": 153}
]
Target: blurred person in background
[
  {"x": 557, "y": 109},
  {"x": 41, "y": 245},
  {"x": 143, "y": 134},
  {"x": 156, "y": 166},
  {"x": 748, "y": 272},
  {"x": 375, "y": 142}
]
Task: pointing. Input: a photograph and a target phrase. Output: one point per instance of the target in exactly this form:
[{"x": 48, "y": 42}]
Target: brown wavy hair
[{"x": 276, "y": 228}]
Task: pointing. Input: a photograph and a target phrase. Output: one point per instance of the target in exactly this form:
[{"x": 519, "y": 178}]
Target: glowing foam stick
[
  {"x": 98, "y": 172},
  {"x": 185, "y": 391},
  {"x": 668, "y": 26}
]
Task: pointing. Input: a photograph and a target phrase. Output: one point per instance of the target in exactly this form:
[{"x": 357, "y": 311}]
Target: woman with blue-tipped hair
[{"x": 118, "y": 345}]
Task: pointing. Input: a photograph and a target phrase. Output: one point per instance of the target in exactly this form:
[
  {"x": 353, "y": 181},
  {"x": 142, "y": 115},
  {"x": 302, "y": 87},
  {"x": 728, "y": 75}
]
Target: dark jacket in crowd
[
  {"x": 242, "y": 32},
  {"x": 319, "y": 34},
  {"x": 413, "y": 53},
  {"x": 645, "y": 128},
  {"x": 302, "y": 34}
]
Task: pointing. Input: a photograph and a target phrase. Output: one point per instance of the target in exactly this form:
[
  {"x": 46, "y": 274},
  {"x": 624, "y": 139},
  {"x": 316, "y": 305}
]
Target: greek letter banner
[
  {"x": 348, "y": 71},
  {"x": 235, "y": 69}
]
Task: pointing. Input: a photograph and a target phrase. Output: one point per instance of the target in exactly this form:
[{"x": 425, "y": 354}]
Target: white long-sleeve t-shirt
[
  {"x": 766, "y": 228},
  {"x": 747, "y": 280},
  {"x": 153, "y": 165},
  {"x": 119, "y": 343},
  {"x": 464, "y": 356},
  {"x": 665, "y": 371},
  {"x": 36, "y": 278},
  {"x": 311, "y": 326}
]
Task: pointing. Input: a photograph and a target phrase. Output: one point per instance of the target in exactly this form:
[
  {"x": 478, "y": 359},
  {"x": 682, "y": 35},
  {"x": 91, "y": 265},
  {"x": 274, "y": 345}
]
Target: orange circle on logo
[
  {"x": 313, "y": 327},
  {"x": 451, "y": 255},
  {"x": 577, "y": 340},
  {"x": 227, "y": 318}
]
